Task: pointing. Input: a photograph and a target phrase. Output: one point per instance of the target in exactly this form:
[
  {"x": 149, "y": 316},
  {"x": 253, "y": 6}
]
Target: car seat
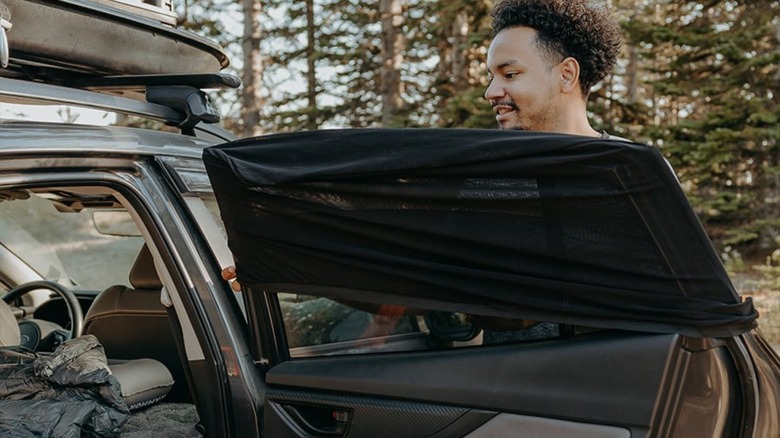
[
  {"x": 143, "y": 381},
  {"x": 132, "y": 323}
]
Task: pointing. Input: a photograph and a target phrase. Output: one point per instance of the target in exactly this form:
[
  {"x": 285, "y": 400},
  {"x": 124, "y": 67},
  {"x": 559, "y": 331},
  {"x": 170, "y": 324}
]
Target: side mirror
[{"x": 450, "y": 326}]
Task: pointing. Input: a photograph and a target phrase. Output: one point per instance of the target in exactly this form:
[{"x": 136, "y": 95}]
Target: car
[{"x": 394, "y": 282}]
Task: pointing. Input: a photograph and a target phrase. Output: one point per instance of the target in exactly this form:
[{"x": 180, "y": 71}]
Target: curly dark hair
[{"x": 575, "y": 28}]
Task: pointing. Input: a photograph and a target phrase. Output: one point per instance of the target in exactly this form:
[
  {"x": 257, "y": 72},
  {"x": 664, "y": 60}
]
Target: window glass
[
  {"x": 195, "y": 188},
  {"x": 311, "y": 321},
  {"x": 318, "y": 326},
  {"x": 64, "y": 244}
]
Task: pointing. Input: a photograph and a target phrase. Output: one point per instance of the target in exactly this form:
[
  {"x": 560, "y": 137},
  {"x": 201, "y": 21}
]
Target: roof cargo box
[
  {"x": 52, "y": 39},
  {"x": 159, "y": 10}
]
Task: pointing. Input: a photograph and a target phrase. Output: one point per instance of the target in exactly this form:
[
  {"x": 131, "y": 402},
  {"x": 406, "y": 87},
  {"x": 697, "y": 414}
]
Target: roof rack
[
  {"x": 23, "y": 91},
  {"x": 184, "y": 106},
  {"x": 56, "y": 50}
]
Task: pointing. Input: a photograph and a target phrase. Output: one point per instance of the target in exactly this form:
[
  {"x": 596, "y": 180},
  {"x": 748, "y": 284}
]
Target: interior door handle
[{"x": 319, "y": 420}]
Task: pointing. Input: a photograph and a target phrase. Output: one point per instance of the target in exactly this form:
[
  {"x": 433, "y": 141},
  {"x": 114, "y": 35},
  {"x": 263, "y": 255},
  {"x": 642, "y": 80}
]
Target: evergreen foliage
[
  {"x": 710, "y": 71},
  {"x": 698, "y": 80}
]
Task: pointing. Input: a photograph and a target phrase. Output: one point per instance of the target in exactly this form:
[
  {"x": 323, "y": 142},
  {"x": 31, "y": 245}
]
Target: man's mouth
[{"x": 503, "y": 109}]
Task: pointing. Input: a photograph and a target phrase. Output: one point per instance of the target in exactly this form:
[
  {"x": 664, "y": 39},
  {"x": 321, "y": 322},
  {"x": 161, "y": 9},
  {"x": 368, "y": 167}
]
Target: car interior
[
  {"x": 132, "y": 323},
  {"x": 46, "y": 304}
]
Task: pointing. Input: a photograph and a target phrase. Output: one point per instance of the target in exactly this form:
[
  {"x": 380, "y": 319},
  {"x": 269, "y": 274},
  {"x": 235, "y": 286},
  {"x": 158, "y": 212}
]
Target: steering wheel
[{"x": 75, "y": 313}]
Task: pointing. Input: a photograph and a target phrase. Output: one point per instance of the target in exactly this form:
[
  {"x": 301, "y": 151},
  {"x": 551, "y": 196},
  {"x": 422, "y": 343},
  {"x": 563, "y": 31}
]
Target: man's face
[{"x": 524, "y": 91}]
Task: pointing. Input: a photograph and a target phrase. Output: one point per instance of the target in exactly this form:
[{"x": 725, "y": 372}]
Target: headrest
[
  {"x": 144, "y": 275},
  {"x": 143, "y": 381},
  {"x": 9, "y": 328}
]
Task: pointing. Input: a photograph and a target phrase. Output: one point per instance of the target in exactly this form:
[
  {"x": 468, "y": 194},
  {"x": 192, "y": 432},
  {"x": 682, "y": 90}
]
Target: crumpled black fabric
[
  {"x": 549, "y": 227},
  {"x": 70, "y": 393}
]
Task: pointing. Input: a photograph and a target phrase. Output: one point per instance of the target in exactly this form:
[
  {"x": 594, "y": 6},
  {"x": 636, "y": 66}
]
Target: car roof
[{"x": 22, "y": 137}]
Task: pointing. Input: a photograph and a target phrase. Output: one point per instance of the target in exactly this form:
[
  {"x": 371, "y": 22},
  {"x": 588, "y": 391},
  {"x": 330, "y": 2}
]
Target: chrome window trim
[{"x": 353, "y": 347}]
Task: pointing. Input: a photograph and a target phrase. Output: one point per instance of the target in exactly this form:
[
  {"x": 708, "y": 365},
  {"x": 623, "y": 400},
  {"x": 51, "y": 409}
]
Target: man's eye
[{"x": 509, "y": 75}]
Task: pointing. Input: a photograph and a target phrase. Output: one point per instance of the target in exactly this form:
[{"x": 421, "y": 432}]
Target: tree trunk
[
  {"x": 632, "y": 76},
  {"x": 392, "y": 58},
  {"x": 252, "y": 101},
  {"x": 312, "y": 112},
  {"x": 460, "y": 32}
]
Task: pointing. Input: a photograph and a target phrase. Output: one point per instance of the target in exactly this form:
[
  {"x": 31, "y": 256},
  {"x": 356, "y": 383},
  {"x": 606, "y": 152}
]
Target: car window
[
  {"x": 190, "y": 178},
  {"x": 64, "y": 245},
  {"x": 319, "y": 326}
]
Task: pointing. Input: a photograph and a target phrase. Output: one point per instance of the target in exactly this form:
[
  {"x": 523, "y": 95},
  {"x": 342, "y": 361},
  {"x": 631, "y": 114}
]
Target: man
[{"x": 544, "y": 59}]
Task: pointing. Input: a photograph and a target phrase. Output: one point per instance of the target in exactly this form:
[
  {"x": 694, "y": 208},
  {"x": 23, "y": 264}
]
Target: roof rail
[
  {"x": 36, "y": 91},
  {"x": 193, "y": 102},
  {"x": 182, "y": 106}
]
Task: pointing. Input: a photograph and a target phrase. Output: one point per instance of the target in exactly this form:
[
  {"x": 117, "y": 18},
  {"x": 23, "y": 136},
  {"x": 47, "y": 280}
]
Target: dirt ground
[{"x": 766, "y": 301}]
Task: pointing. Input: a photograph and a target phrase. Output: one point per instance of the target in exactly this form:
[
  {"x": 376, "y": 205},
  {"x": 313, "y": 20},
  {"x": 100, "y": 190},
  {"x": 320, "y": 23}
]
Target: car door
[
  {"x": 442, "y": 283},
  {"x": 535, "y": 388}
]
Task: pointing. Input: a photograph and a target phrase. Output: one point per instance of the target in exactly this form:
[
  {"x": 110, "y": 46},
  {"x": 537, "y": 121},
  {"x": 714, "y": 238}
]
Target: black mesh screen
[{"x": 553, "y": 227}]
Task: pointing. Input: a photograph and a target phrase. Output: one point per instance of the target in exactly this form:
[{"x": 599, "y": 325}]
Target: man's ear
[{"x": 570, "y": 75}]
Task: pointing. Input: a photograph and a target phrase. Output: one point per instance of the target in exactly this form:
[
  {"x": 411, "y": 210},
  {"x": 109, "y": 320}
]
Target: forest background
[{"x": 698, "y": 80}]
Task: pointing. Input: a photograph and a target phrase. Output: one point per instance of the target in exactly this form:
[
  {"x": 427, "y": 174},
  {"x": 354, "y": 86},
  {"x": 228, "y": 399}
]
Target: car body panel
[
  {"x": 248, "y": 377},
  {"x": 533, "y": 379},
  {"x": 21, "y": 138}
]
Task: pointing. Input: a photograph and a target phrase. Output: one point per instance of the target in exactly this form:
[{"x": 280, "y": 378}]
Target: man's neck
[
  {"x": 576, "y": 127},
  {"x": 575, "y": 122}
]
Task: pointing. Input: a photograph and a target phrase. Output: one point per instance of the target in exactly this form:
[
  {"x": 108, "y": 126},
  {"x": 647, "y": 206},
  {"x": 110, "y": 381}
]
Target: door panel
[
  {"x": 522, "y": 426},
  {"x": 605, "y": 378},
  {"x": 291, "y": 413}
]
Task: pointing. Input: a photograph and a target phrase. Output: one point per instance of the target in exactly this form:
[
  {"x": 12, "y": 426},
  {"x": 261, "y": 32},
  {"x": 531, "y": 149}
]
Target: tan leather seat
[{"x": 132, "y": 323}]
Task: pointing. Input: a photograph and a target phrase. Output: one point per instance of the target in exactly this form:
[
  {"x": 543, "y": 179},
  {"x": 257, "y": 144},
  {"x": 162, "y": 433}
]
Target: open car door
[{"x": 438, "y": 283}]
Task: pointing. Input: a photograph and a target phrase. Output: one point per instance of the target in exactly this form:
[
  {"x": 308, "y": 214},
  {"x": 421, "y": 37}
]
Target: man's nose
[{"x": 494, "y": 90}]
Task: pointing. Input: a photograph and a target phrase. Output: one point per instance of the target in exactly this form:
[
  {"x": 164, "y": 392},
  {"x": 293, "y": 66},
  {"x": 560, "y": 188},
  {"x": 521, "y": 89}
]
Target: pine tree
[
  {"x": 715, "y": 104},
  {"x": 252, "y": 99},
  {"x": 392, "y": 53},
  {"x": 333, "y": 46},
  {"x": 462, "y": 34}
]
